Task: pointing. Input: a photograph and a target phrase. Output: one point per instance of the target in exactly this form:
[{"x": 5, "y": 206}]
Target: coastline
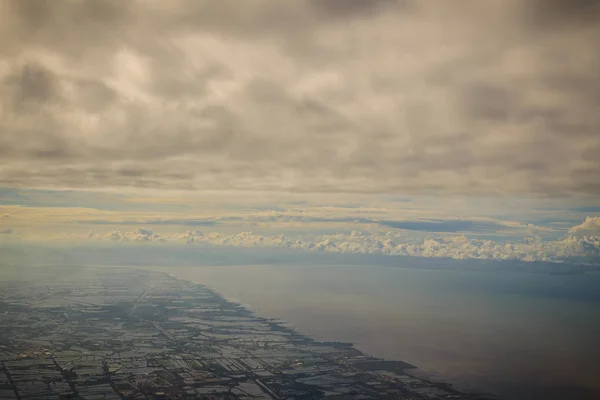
[{"x": 414, "y": 370}]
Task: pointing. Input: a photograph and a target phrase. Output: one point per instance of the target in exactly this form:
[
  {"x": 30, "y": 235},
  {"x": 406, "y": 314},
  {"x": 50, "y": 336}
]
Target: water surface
[{"x": 524, "y": 336}]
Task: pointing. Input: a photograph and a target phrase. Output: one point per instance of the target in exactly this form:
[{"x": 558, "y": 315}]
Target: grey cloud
[
  {"x": 7, "y": 231},
  {"x": 94, "y": 95},
  {"x": 438, "y": 226},
  {"x": 553, "y": 13},
  {"x": 472, "y": 226},
  {"x": 185, "y": 222},
  {"x": 446, "y": 226},
  {"x": 489, "y": 102},
  {"x": 71, "y": 27},
  {"x": 30, "y": 85},
  {"x": 351, "y": 96},
  {"x": 350, "y": 8},
  {"x": 587, "y": 209},
  {"x": 146, "y": 232}
]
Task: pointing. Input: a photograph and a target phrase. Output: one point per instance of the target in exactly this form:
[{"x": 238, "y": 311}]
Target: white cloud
[
  {"x": 141, "y": 235},
  {"x": 570, "y": 249},
  {"x": 114, "y": 236},
  {"x": 589, "y": 227}
]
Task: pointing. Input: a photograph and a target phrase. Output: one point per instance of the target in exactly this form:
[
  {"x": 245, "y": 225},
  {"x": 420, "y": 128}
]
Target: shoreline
[{"x": 416, "y": 371}]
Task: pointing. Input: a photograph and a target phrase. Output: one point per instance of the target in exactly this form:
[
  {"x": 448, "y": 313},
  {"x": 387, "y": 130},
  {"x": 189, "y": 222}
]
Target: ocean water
[{"x": 519, "y": 335}]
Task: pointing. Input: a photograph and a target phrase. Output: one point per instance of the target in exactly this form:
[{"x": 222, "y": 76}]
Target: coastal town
[{"x": 120, "y": 333}]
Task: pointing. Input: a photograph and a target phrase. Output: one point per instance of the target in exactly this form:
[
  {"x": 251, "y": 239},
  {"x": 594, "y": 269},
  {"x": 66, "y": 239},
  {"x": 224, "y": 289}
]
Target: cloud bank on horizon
[
  {"x": 374, "y": 96},
  {"x": 474, "y": 238},
  {"x": 573, "y": 249}
]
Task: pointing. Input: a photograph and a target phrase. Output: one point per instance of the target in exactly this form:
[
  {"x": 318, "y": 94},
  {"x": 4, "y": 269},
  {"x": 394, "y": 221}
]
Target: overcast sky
[
  {"x": 381, "y": 98},
  {"x": 409, "y": 97}
]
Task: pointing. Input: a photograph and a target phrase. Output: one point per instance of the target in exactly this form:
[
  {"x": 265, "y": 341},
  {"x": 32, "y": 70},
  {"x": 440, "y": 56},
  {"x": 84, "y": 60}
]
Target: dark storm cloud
[{"x": 349, "y": 96}]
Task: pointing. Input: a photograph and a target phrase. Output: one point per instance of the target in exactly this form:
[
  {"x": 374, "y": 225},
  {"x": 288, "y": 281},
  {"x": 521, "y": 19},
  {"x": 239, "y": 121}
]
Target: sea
[{"x": 522, "y": 336}]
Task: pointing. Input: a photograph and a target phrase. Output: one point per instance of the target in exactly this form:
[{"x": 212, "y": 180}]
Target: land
[{"x": 119, "y": 333}]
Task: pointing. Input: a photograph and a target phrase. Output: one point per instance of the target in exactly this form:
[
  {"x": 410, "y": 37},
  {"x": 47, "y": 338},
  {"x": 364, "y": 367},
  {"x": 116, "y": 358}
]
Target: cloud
[
  {"x": 450, "y": 225},
  {"x": 311, "y": 219},
  {"x": 307, "y": 96},
  {"x": 299, "y": 217},
  {"x": 573, "y": 249},
  {"x": 141, "y": 235},
  {"x": 165, "y": 221},
  {"x": 589, "y": 227},
  {"x": 145, "y": 232},
  {"x": 550, "y": 13},
  {"x": 7, "y": 231}
]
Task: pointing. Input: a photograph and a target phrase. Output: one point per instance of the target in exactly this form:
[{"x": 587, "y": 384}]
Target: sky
[{"x": 463, "y": 129}]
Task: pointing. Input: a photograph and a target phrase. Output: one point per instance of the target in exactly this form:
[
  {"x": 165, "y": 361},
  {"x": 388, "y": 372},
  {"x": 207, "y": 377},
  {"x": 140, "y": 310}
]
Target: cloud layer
[
  {"x": 317, "y": 95},
  {"x": 574, "y": 249}
]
